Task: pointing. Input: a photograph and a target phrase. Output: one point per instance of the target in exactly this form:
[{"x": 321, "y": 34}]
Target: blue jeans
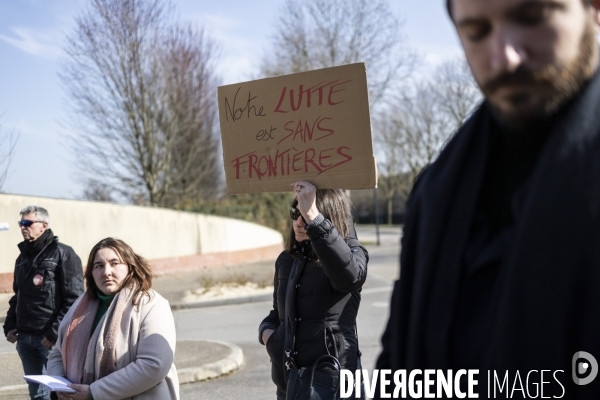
[{"x": 34, "y": 356}]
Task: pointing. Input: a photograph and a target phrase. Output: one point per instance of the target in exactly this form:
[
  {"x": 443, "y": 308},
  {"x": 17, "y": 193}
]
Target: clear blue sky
[{"x": 32, "y": 100}]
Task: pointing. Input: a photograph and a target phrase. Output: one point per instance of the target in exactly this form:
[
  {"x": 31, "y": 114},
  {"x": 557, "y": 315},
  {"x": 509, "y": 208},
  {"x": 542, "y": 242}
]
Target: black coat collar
[{"x": 553, "y": 255}]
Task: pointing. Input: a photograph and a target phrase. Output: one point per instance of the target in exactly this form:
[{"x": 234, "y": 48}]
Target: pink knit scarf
[{"x": 79, "y": 348}]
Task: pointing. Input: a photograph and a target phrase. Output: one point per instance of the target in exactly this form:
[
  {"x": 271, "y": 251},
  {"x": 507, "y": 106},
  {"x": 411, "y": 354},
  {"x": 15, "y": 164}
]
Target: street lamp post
[{"x": 376, "y": 215}]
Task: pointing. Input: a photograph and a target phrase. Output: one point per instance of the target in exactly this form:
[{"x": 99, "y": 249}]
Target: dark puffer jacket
[
  {"x": 39, "y": 309},
  {"x": 325, "y": 305}
]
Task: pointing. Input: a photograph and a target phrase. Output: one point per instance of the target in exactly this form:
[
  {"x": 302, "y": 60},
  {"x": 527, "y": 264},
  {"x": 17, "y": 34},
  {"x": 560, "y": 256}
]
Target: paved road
[{"x": 238, "y": 324}]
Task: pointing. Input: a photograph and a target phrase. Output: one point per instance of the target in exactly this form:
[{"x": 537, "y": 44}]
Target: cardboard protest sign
[{"x": 312, "y": 126}]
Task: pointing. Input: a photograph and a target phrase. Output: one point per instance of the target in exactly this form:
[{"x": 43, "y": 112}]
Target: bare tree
[
  {"x": 196, "y": 166},
  {"x": 456, "y": 91},
  {"x": 141, "y": 92},
  {"x": 390, "y": 170},
  {"x": 8, "y": 141},
  {"x": 97, "y": 191},
  {"x": 316, "y": 34},
  {"x": 411, "y": 133}
]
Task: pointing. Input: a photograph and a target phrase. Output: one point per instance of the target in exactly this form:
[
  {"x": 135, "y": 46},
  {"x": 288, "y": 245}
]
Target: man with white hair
[{"x": 48, "y": 278}]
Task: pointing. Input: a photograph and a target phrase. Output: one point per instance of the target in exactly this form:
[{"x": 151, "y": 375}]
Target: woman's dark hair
[
  {"x": 140, "y": 272},
  {"x": 335, "y": 205}
]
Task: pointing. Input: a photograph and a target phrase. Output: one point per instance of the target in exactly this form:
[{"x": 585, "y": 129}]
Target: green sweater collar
[{"x": 103, "y": 297}]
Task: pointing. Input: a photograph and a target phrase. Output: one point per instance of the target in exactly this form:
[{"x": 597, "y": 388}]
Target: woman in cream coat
[{"x": 118, "y": 340}]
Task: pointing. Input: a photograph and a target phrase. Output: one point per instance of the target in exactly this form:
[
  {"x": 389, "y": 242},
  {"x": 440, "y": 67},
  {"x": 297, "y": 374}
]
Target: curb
[
  {"x": 14, "y": 390},
  {"x": 212, "y": 303},
  {"x": 213, "y": 370},
  {"x": 238, "y": 300},
  {"x": 225, "y": 366},
  {"x": 223, "y": 302},
  {"x": 251, "y": 299}
]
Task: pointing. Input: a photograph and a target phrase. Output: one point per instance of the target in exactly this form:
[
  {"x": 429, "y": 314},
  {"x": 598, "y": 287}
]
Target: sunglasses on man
[
  {"x": 27, "y": 222},
  {"x": 295, "y": 213}
]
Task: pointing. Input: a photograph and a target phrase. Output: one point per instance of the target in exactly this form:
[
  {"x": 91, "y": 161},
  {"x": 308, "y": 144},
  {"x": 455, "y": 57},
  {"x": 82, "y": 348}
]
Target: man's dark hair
[{"x": 449, "y": 6}]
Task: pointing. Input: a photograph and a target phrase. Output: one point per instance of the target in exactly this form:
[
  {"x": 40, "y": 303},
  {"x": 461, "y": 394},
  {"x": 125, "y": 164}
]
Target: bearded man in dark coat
[{"x": 500, "y": 261}]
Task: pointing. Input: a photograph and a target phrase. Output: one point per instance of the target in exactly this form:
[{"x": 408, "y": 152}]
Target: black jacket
[
  {"x": 325, "y": 302},
  {"x": 38, "y": 310},
  {"x": 547, "y": 306}
]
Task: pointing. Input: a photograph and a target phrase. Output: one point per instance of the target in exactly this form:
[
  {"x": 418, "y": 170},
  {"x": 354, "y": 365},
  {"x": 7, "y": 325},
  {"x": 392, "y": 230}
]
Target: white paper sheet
[{"x": 54, "y": 383}]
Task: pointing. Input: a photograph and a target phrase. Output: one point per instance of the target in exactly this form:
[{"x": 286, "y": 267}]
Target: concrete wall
[{"x": 157, "y": 234}]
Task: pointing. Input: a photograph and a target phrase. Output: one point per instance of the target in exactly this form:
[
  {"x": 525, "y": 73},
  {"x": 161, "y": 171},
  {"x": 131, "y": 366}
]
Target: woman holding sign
[
  {"x": 318, "y": 279},
  {"x": 118, "y": 339}
]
